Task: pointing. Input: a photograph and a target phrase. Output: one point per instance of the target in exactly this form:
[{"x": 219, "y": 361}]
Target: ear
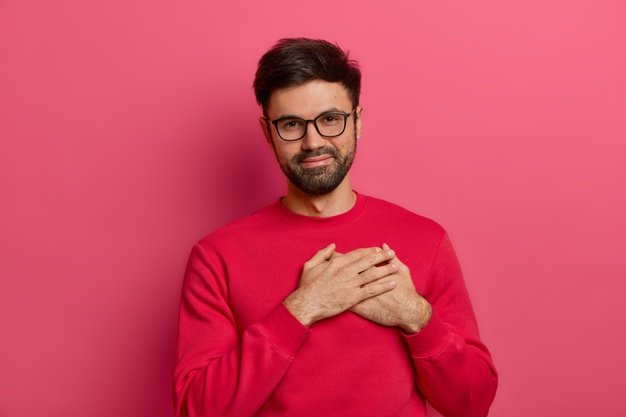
[
  {"x": 358, "y": 114},
  {"x": 267, "y": 133}
]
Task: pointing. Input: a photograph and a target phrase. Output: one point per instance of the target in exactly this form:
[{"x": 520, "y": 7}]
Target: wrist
[
  {"x": 418, "y": 321},
  {"x": 299, "y": 308}
]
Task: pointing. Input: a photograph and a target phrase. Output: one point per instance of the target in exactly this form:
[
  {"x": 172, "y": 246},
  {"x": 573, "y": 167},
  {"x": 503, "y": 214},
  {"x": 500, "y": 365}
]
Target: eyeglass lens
[{"x": 327, "y": 124}]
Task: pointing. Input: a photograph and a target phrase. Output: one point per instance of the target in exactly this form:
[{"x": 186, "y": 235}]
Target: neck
[{"x": 338, "y": 201}]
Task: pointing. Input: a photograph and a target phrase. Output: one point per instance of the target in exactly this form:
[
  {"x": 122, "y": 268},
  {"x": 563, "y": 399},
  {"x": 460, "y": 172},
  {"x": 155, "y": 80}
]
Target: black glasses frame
[{"x": 314, "y": 121}]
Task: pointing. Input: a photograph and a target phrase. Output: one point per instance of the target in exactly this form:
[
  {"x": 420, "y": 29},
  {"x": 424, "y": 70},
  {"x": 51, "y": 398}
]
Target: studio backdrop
[{"x": 129, "y": 130}]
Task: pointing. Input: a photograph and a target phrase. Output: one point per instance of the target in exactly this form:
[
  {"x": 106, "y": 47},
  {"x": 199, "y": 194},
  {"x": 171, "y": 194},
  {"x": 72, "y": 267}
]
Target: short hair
[{"x": 296, "y": 61}]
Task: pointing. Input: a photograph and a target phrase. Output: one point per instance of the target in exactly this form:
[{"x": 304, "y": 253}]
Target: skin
[
  {"x": 402, "y": 307},
  {"x": 308, "y": 101},
  {"x": 371, "y": 282}
]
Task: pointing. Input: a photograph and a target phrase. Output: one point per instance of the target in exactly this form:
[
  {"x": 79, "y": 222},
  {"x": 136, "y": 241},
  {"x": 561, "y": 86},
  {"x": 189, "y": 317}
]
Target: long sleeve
[
  {"x": 220, "y": 370},
  {"x": 453, "y": 367}
]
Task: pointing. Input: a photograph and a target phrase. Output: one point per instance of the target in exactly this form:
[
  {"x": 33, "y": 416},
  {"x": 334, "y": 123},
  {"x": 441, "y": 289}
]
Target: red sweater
[{"x": 240, "y": 352}]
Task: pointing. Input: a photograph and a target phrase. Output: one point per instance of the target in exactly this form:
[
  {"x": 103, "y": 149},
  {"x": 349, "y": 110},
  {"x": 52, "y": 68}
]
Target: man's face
[{"x": 315, "y": 164}]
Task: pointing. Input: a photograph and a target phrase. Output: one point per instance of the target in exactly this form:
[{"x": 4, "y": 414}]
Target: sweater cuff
[
  {"x": 283, "y": 330},
  {"x": 431, "y": 340}
]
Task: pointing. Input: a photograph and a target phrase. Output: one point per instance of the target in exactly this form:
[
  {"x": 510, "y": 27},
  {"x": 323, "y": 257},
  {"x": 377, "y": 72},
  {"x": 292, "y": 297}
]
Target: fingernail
[
  {"x": 390, "y": 252},
  {"x": 378, "y": 249}
]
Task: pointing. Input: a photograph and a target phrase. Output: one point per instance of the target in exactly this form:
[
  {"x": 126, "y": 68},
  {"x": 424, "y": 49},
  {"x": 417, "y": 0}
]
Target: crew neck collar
[{"x": 299, "y": 219}]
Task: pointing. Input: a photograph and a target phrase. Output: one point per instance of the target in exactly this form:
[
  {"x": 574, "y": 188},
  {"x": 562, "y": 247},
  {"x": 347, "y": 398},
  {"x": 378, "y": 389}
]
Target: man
[{"x": 328, "y": 302}]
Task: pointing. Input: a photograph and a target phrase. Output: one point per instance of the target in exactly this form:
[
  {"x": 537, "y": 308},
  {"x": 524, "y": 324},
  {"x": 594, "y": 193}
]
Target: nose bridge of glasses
[
  {"x": 311, "y": 137},
  {"x": 314, "y": 122}
]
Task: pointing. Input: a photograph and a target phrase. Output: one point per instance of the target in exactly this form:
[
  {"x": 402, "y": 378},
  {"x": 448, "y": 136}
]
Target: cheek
[
  {"x": 345, "y": 146},
  {"x": 283, "y": 154}
]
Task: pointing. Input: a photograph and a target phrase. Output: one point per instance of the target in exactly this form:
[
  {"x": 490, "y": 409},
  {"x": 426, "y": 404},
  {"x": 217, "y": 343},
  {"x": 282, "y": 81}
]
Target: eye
[
  {"x": 330, "y": 119},
  {"x": 290, "y": 124}
]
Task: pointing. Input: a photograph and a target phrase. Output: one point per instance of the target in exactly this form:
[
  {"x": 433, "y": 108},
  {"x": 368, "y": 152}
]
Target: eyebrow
[{"x": 330, "y": 110}]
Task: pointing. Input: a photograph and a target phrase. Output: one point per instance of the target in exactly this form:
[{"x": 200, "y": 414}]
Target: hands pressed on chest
[{"x": 371, "y": 282}]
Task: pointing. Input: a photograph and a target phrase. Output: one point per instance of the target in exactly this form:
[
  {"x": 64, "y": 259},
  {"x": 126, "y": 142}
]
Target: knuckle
[
  {"x": 370, "y": 274},
  {"x": 364, "y": 252},
  {"x": 373, "y": 258}
]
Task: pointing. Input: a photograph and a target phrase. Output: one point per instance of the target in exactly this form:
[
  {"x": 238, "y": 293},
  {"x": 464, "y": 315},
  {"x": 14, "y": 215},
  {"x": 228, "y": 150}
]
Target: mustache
[{"x": 317, "y": 152}]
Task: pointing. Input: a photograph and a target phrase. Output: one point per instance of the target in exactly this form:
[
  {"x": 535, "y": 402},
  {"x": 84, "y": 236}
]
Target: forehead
[{"x": 309, "y": 99}]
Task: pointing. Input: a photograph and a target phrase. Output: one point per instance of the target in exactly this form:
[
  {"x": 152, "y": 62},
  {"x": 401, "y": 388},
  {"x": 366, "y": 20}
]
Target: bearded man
[{"x": 328, "y": 302}]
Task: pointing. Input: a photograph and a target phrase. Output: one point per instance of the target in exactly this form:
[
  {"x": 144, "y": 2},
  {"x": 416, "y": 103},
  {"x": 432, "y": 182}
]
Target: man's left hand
[{"x": 402, "y": 306}]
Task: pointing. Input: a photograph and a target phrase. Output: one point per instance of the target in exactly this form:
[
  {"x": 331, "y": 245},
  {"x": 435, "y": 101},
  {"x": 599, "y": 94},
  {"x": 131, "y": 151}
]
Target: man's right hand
[{"x": 330, "y": 285}]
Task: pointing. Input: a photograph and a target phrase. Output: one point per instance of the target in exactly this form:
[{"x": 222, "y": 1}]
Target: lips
[
  {"x": 317, "y": 161},
  {"x": 317, "y": 158}
]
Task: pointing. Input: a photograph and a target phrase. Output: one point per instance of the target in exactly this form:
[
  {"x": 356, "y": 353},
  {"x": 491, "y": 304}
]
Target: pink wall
[{"x": 128, "y": 131}]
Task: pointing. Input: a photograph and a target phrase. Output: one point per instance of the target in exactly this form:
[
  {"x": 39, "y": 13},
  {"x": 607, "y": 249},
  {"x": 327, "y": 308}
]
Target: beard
[{"x": 322, "y": 179}]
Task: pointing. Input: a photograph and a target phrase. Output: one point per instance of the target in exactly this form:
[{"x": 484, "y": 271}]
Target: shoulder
[
  {"x": 395, "y": 214},
  {"x": 254, "y": 224}
]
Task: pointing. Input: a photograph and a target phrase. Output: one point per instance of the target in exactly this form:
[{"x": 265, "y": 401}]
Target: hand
[
  {"x": 402, "y": 307},
  {"x": 331, "y": 284}
]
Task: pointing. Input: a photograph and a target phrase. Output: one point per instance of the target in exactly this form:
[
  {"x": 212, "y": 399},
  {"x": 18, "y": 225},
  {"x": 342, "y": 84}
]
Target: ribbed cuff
[
  {"x": 284, "y": 330},
  {"x": 429, "y": 341}
]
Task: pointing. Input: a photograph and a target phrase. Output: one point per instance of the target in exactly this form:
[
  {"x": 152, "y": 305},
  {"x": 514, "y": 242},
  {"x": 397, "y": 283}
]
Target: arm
[
  {"x": 453, "y": 367},
  {"x": 219, "y": 372}
]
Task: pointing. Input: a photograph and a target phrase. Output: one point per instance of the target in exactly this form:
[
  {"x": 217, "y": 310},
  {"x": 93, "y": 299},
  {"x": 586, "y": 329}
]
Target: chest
[{"x": 272, "y": 267}]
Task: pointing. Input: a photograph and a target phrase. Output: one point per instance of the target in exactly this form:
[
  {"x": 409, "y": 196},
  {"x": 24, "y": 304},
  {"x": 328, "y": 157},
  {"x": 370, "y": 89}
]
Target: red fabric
[{"x": 240, "y": 352}]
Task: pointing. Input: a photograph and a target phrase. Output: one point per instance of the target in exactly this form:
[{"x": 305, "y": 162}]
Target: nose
[{"x": 312, "y": 139}]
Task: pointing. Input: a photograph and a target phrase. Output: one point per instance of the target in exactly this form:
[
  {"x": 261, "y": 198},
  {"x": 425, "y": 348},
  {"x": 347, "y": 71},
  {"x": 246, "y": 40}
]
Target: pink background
[{"x": 128, "y": 131}]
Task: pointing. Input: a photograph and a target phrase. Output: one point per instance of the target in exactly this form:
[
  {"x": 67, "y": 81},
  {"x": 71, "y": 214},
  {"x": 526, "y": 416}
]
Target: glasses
[{"x": 328, "y": 124}]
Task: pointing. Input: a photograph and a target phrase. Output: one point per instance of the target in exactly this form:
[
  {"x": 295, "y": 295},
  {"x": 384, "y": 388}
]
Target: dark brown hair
[{"x": 295, "y": 61}]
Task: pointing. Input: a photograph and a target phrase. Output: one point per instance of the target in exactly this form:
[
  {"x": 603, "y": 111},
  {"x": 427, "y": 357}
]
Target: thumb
[{"x": 322, "y": 255}]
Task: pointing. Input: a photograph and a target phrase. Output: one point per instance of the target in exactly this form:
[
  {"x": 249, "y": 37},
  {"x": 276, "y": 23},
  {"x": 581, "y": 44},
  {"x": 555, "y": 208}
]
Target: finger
[
  {"x": 376, "y": 272},
  {"x": 353, "y": 255},
  {"x": 395, "y": 259},
  {"x": 367, "y": 261},
  {"x": 321, "y": 256},
  {"x": 386, "y": 247},
  {"x": 376, "y": 288}
]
